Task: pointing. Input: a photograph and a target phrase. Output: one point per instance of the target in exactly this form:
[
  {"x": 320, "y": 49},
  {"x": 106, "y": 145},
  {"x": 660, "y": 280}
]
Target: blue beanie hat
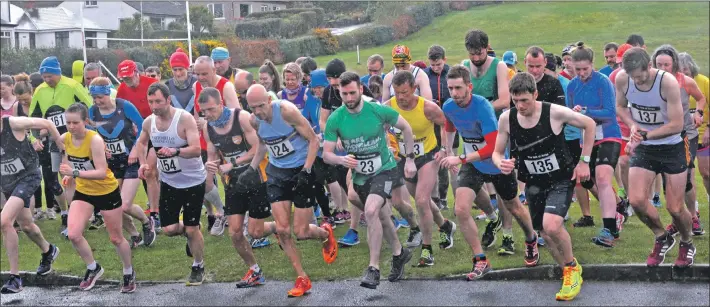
[
  {"x": 50, "y": 65},
  {"x": 219, "y": 53},
  {"x": 318, "y": 78}
]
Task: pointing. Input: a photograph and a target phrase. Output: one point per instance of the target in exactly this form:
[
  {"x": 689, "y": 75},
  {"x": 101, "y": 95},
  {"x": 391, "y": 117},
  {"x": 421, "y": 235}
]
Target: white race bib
[
  {"x": 543, "y": 165},
  {"x": 59, "y": 120},
  {"x": 117, "y": 147},
  {"x": 169, "y": 165},
  {"x": 646, "y": 115},
  {"x": 418, "y": 149},
  {"x": 280, "y": 149},
  {"x": 82, "y": 165},
  {"x": 368, "y": 164},
  {"x": 473, "y": 145},
  {"x": 12, "y": 167},
  {"x": 599, "y": 133}
]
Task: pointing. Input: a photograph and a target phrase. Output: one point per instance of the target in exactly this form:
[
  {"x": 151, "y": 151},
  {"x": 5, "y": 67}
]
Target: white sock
[
  {"x": 128, "y": 270},
  {"x": 198, "y": 264},
  {"x": 213, "y": 198},
  {"x": 63, "y": 213},
  {"x": 493, "y": 216},
  {"x": 91, "y": 266},
  {"x": 256, "y": 268}
]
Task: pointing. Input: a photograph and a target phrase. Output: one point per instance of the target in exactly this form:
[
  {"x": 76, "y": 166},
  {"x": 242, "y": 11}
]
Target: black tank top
[
  {"x": 17, "y": 158},
  {"x": 541, "y": 155},
  {"x": 231, "y": 145}
]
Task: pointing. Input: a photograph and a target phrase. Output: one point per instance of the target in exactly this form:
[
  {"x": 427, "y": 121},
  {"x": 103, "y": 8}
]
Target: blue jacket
[{"x": 439, "y": 85}]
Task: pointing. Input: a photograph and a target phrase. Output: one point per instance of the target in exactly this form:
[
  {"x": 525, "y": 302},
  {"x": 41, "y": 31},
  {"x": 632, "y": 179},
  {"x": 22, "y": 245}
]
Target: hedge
[
  {"x": 368, "y": 36},
  {"x": 255, "y": 29},
  {"x": 294, "y": 48},
  {"x": 320, "y": 14}
]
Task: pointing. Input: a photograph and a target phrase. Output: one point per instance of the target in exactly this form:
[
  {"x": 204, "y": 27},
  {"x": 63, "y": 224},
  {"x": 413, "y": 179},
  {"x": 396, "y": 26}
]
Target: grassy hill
[{"x": 553, "y": 25}]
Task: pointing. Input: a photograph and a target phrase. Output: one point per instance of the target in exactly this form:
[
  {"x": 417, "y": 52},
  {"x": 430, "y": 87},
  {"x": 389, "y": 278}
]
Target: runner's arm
[
  {"x": 261, "y": 148},
  {"x": 561, "y": 115},
  {"x": 450, "y": 130},
  {"x": 503, "y": 101},
  {"x": 132, "y": 113},
  {"x": 433, "y": 113},
  {"x": 98, "y": 156},
  {"x": 386, "y": 83},
  {"x": 622, "y": 104},
  {"x": 211, "y": 151},
  {"x": 230, "y": 96},
  {"x": 501, "y": 139},
  {"x": 323, "y": 118},
  {"x": 407, "y": 134},
  {"x": 251, "y": 138},
  {"x": 82, "y": 95},
  {"x": 142, "y": 141},
  {"x": 606, "y": 95},
  {"x": 671, "y": 91},
  {"x": 65, "y": 158},
  {"x": 193, "y": 149},
  {"x": 25, "y": 123},
  {"x": 694, "y": 91},
  {"x": 293, "y": 117},
  {"x": 424, "y": 86}
]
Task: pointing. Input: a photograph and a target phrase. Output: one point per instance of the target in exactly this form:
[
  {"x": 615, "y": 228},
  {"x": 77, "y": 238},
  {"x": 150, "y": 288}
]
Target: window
[
  {"x": 277, "y": 8},
  {"x": 61, "y": 39},
  {"x": 33, "y": 42},
  {"x": 244, "y": 10},
  {"x": 158, "y": 23},
  {"x": 17, "y": 40},
  {"x": 91, "y": 3},
  {"x": 217, "y": 10},
  {"x": 90, "y": 43},
  {"x": 264, "y": 7}
]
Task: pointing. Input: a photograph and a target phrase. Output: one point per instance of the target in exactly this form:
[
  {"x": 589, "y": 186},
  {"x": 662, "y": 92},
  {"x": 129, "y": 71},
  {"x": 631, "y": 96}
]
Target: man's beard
[
  {"x": 357, "y": 104},
  {"x": 181, "y": 84},
  {"x": 480, "y": 63}
]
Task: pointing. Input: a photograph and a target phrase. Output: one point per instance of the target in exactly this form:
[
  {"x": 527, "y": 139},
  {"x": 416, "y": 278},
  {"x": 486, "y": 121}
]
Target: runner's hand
[
  {"x": 339, "y": 145},
  {"x": 224, "y": 168},
  {"x": 141, "y": 171},
  {"x": 166, "y": 152},
  {"x": 302, "y": 179},
  {"x": 66, "y": 180},
  {"x": 133, "y": 156},
  {"x": 577, "y": 108},
  {"x": 65, "y": 169},
  {"x": 450, "y": 162},
  {"x": 348, "y": 161},
  {"x": 248, "y": 179},
  {"x": 698, "y": 119},
  {"x": 439, "y": 155},
  {"x": 581, "y": 172},
  {"x": 630, "y": 148},
  {"x": 212, "y": 167},
  {"x": 410, "y": 168},
  {"x": 507, "y": 166}
]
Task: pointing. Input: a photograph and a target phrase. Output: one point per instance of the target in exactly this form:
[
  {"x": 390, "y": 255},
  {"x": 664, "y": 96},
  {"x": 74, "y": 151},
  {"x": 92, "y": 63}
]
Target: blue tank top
[
  {"x": 117, "y": 128},
  {"x": 287, "y": 148},
  {"x": 473, "y": 123},
  {"x": 182, "y": 98}
]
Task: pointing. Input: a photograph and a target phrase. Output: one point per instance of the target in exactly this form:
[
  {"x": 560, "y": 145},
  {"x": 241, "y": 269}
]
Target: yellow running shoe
[{"x": 571, "y": 283}]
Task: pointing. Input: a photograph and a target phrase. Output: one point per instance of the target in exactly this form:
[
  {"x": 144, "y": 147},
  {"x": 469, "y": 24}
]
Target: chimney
[{"x": 34, "y": 12}]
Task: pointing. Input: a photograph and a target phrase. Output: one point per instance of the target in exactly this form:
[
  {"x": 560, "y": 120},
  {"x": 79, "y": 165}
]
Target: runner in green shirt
[{"x": 360, "y": 125}]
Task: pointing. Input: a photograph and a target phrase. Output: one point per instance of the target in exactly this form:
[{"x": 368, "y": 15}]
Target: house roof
[
  {"x": 35, "y": 4},
  {"x": 50, "y": 18},
  {"x": 165, "y": 8}
]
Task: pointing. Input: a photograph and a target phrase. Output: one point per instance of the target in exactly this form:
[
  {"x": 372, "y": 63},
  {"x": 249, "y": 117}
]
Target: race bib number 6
[{"x": 543, "y": 165}]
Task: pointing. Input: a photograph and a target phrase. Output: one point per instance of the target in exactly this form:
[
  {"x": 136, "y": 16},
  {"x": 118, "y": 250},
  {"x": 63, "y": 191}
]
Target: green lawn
[
  {"x": 552, "y": 26},
  {"x": 166, "y": 259}
]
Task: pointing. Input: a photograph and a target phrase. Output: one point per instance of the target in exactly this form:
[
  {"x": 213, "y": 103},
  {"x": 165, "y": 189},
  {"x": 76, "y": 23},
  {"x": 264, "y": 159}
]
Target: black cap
[
  {"x": 334, "y": 68},
  {"x": 551, "y": 61}
]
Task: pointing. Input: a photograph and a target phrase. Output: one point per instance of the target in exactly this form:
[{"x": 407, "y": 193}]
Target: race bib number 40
[
  {"x": 169, "y": 165},
  {"x": 117, "y": 147},
  {"x": 646, "y": 115},
  {"x": 543, "y": 165},
  {"x": 280, "y": 149},
  {"x": 59, "y": 120},
  {"x": 368, "y": 164},
  {"x": 12, "y": 167}
]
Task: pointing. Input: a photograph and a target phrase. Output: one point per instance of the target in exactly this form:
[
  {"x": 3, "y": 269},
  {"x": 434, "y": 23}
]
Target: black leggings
[
  {"x": 443, "y": 183},
  {"x": 322, "y": 200},
  {"x": 52, "y": 188}
]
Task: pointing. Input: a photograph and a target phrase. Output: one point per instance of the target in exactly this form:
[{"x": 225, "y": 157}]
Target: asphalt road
[{"x": 427, "y": 293}]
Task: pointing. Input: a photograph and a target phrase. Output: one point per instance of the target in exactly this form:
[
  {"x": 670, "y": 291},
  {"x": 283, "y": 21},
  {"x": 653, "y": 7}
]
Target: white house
[
  {"x": 9, "y": 16},
  {"x": 50, "y": 27},
  {"x": 108, "y": 14}
]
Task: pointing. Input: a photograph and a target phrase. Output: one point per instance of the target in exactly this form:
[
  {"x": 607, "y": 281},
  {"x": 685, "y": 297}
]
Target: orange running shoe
[
  {"x": 303, "y": 284},
  {"x": 330, "y": 245}
]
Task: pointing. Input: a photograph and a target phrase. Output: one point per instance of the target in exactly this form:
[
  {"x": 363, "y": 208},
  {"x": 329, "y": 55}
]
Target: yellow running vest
[
  {"x": 80, "y": 158},
  {"x": 423, "y": 129}
]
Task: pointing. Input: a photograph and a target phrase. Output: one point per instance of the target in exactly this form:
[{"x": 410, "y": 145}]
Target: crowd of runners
[{"x": 299, "y": 145}]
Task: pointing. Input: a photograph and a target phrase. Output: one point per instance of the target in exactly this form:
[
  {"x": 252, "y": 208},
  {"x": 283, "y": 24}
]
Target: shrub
[
  {"x": 403, "y": 26},
  {"x": 320, "y": 14},
  {"x": 253, "y": 53},
  {"x": 329, "y": 41},
  {"x": 368, "y": 36},
  {"x": 255, "y": 29},
  {"x": 301, "y": 46},
  {"x": 460, "y": 5}
]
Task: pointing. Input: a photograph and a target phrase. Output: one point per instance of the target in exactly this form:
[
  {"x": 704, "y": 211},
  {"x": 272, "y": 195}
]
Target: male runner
[
  {"x": 207, "y": 76},
  {"x": 19, "y": 167},
  {"x": 375, "y": 65},
  {"x": 402, "y": 60},
  {"x": 473, "y": 116},
  {"x": 173, "y": 133},
  {"x": 656, "y": 119},
  {"x": 544, "y": 163},
  {"x": 93, "y": 71},
  {"x": 591, "y": 94},
  {"x": 610, "y": 50},
  {"x": 292, "y": 147},
  {"x": 222, "y": 64},
  {"x": 360, "y": 126},
  {"x": 423, "y": 114},
  {"x": 231, "y": 145},
  {"x": 49, "y": 101}
]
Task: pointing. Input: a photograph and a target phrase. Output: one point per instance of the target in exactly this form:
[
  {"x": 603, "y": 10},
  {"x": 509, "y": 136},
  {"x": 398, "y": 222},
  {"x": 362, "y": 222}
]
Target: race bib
[
  {"x": 117, "y": 147},
  {"x": 418, "y": 149},
  {"x": 543, "y": 165},
  {"x": 368, "y": 164},
  {"x": 472, "y": 145},
  {"x": 59, "y": 120},
  {"x": 646, "y": 115},
  {"x": 599, "y": 133},
  {"x": 12, "y": 167},
  {"x": 169, "y": 165},
  {"x": 280, "y": 149},
  {"x": 82, "y": 165}
]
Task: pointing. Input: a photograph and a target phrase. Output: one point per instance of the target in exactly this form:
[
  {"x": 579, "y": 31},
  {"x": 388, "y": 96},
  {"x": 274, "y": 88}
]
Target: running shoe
[
  {"x": 197, "y": 276},
  {"x": 318, "y": 213},
  {"x": 45, "y": 264},
  {"x": 349, "y": 239},
  {"x": 129, "y": 283},
  {"x": 571, "y": 283},
  {"x": 330, "y": 220},
  {"x": 403, "y": 223},
  {"x": 91, "y": 277},
  {"x": 656, "y": 200},
  {"x": 97, "y": 223},
  {"x": 51, "y": 214},
  {"x": 672, "y": 230},
  {"x": 697, "y": 227},
  {"x": 251, "y": 279},
  {"x": 508, "y": 246},
  {"x": 330, "y": 246},
  {"x": 584, "y": 221},
  {"x": 446, "y": 238},
  {"x": 489, "y": 236},
  {"x": 398, "y": 264},
  {"x": 532, "y": 254},
  {"x": 620, "y": 220},
  {"x": 339, "y": 217},
  {"x": 259, "y": 243},
  {"x": 660, "y": 249},
  {"x": 303, "y": 284},
  {"x": 686, "y": 255},
  {"x": 156, "y": 223},
  {"x": 425, "y": 259},
  {"x": 39, "y": 215},
  {"x": 135, "y": 241},
  {"x": 148, "y": 233},
  {"x": 604, "y": 238},
  {"x": 13, "y": 285},
  {"x": 371, "y": 278},
  {"x": 540, "y": 240},
  {"x": 218, "y": 227},
  {"x": 480, "y": 269},
  {"x": 414, "y": 239}
]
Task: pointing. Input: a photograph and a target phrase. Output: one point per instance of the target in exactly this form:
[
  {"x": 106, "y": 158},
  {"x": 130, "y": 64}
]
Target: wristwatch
[
  {"x": 75, "y": 173},
  {"x": 411, "y": 156},
  {"x": 462, "y": 157},
  {"x": 307, "y": 170},
  {"x": 585, "y": 159},
  {"x": 700, "y": 112},
  {"x": 177, "y": 152},
  {"x": 443, "y": 148},
  {"x": 644, "y": 135}
]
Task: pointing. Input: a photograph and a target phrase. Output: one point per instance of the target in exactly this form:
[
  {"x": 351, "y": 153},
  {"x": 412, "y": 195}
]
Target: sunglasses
[{"x": 154, "y": 76}]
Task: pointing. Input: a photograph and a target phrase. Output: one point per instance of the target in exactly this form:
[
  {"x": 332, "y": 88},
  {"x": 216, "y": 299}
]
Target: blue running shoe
[
  {"x": 259, "y": 243},
  {"x": 605, "y": 238},
  {"x": 396, "y": 223},
  {"x": 540, "y": 240},
  {"x": 494, "y": 203},
  {"x": 403, "y": 223},
  {"x": 656, "y": 201},
  {"x": 13, "y": 285},
  {"x": 318, "y": 212},
  {"x": 522, "y": 198},
  {"x": 350, "y": 239}
]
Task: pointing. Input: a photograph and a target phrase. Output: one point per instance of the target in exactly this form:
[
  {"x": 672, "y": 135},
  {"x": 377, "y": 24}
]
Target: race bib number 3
[
  {"x": 280, "y": 149},
  {"x": 646, "y": 115},
  {"x": 12, "y": 167},
  {"x": 117, "y": 147},
  {"x": 368, "y": 165},
  {"x": 59, "y": 120},
  {"x": 169, "y": 165},
  {"x": 543, "y": 165}
]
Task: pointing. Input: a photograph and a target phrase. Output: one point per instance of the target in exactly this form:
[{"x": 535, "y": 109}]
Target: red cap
[
  {"x": 620, "y": 52},
  {"x": 179, "y": 59},
  {"x": 126, "y": 69}
]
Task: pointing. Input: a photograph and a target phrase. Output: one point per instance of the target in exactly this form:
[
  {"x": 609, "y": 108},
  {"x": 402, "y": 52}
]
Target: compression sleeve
[
  {"x": 449, "y": 126},
  {"x": 132, "y": 113},
  {"x": 487, "y": 151},
  {"x": 607, "y": 95}
]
